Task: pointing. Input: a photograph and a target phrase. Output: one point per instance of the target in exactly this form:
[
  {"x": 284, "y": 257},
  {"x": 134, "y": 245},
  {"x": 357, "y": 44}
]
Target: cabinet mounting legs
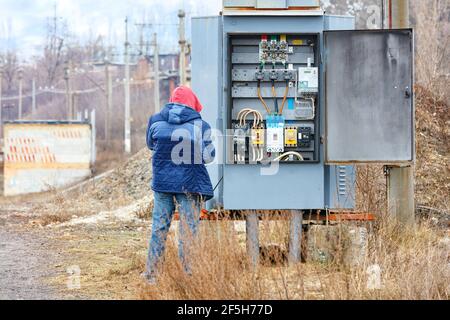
[
  {"x": 252, "y": 237},
  {"x": 295, "y": 236}
]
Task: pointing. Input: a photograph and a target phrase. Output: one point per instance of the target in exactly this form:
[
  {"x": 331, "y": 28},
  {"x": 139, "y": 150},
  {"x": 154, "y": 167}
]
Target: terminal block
[
  {"x": 273, "y": 51},
  {"x": 275, "y": 75}
]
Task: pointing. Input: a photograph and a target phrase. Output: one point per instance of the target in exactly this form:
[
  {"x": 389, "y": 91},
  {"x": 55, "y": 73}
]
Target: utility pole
[
  {"x": 20, "y": 75},
  {"x": 182, "y": 43},
  {"x": 383, "y": 13},
  {"x": 398, "y": 13},
  {"x": 400, "y": 179},
  {"x": 33, "y": 97},
  {"x": 68, "y": 91},
  {"x": 1, "y": 107},
  {"x": 127, "y": 133},
  {"x": 108, "y": 81},
  {"x": 73, "y": 102},
  {"x": 156, "y": 72}
]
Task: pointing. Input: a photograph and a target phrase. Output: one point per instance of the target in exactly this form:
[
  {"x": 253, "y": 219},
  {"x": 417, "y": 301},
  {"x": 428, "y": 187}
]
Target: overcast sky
[{"x": 23, "y": 22}]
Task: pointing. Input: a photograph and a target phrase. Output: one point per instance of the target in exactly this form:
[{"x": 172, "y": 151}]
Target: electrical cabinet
[{"x": 277, "y": 90}]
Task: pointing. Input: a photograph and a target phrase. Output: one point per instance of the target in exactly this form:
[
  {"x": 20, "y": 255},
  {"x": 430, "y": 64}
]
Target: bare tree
[
  {"x": 432, "y": 45},
  {"x": 10, "y": 67},
  {"x": 53, "y": 51}
]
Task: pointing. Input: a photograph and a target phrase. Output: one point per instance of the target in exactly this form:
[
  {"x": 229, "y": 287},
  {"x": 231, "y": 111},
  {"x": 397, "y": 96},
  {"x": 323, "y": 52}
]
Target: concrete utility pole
[
  {"x": 108, "y": 81},
  {"x": 127, "y": 133},
  {"x": 20, "y": 75},
  {"x": 93, "y": 136},
  {"x": 383, "y": 13},
  {"x": 400, "y": 180},
  {"x": 1, "y": 107},
  {"x": 33, "y": 97},
  {"x": 73, "y": 102},
  {"x": 156, "y": 72},
  {"x": 182, "y": 43},
  {"x": 399, "y": 14},
  {"x": 68, "y": 91}
]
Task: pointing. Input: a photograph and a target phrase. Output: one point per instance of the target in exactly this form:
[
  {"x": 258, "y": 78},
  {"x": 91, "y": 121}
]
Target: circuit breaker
[{"x": 274, "y": 98}]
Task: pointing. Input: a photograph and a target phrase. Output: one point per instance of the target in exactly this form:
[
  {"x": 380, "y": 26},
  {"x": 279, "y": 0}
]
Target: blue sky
[{"x": 23, "y": 22}]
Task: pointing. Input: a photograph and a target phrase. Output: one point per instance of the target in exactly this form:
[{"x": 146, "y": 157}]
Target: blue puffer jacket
[{"x": 181, "y": 145}]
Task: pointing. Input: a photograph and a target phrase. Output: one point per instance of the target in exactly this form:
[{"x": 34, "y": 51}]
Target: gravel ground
[{"x": 24, "y": 263}]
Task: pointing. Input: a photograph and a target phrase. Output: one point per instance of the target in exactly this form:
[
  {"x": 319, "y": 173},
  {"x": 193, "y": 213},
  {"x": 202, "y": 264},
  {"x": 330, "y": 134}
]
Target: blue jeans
[{"x": 163, "y": 209}]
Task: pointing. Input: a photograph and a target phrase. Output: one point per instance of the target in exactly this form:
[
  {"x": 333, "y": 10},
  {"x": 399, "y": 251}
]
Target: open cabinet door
[
  {"x": 368, "y": 96},
  {"x": 206, "y": 65}
]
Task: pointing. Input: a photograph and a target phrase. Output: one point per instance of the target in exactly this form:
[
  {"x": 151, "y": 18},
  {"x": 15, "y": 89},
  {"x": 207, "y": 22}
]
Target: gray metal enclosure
[
  {"x": 374, "y": 99},
  {"x": 224, "y": 64}
]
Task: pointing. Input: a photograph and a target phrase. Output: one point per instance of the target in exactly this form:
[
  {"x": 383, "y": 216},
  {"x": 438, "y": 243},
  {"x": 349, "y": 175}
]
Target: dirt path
[{"x": 24, "y": 263}]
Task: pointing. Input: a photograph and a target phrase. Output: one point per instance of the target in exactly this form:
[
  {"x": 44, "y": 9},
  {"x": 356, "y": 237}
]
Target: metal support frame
[
  {"x": 252, "y": 236},
  {"x": 295, "y": 236}
]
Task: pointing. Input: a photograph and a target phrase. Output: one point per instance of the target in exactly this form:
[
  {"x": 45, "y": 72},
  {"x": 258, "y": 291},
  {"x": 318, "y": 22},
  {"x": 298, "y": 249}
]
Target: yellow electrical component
[
  {"x": 290, "y": 136},
  {"x": 283, "y": 37},
  {"x": 257, "y": 136}
]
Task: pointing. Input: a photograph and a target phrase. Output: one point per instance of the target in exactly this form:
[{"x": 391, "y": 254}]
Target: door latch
[{"x": 407, "y": 93}]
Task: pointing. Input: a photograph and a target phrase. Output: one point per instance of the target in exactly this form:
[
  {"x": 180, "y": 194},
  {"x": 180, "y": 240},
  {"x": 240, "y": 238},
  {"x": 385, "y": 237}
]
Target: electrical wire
[
  {"x": 284, "y": 155},
  {"x": 255, "y": 118},
  {"x": 274, "y": 95},
  {"x": 286, "y": 91},
  {"x": 242, "y": 117},
  {"x": 63, "y": 91},
  {"x": 261, "y": 98},
  {"x": 257, "y": 153},
  {"x": 313, "y": 108}
]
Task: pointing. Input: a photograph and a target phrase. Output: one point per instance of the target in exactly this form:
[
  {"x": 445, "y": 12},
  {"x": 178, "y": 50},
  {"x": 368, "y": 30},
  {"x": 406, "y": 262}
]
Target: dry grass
[
  {"x": 414, "y": 264},
  {"x": 220, "y": 270},
  {"x": 57, "y": 214},
  {"x": 50, "y": 218}
]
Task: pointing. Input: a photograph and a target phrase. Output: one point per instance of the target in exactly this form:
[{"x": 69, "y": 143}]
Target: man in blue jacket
[{"x": 181, "y": 145}]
